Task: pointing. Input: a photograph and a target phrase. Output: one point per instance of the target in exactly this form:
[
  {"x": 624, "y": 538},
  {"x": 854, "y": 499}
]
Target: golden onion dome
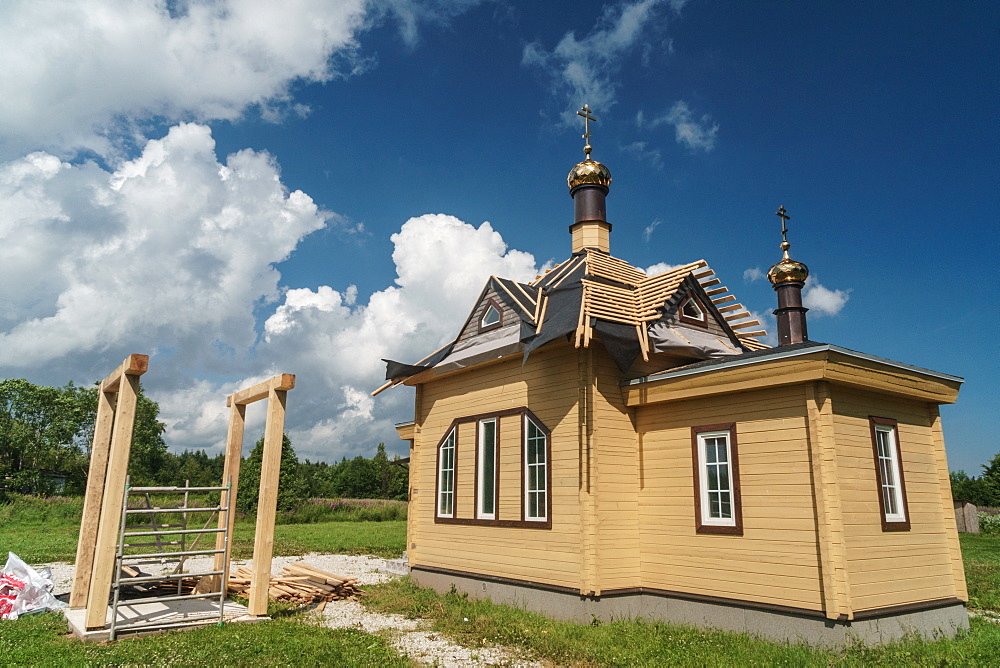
[
  {"x": 787, "y": 269},
  {"x": 589, "y": 172}
]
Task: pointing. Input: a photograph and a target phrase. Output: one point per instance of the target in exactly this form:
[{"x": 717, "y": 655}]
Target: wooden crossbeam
[
  {"x": 703, "y": 274},
  {"x": 716, "y": 291},
  {"x": 724, "y": 300},
  {"x": 709, "y": 283},
  {"x": 744, "y": 325},
  {"x": 281, "y": 382},
  {"x": 749, "y": 334},
  {"x": 732, "y": 307},
  {"x": 134, "y": 365}
]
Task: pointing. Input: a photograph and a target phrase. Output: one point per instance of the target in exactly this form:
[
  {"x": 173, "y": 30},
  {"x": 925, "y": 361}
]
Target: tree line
[{"x": 46, "y": 435}]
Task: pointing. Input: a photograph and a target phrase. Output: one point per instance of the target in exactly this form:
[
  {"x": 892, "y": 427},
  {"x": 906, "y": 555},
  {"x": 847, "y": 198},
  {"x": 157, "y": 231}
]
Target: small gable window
[
  {"x": 692, "y": 312},
  {"x": 492, "y": 317}
]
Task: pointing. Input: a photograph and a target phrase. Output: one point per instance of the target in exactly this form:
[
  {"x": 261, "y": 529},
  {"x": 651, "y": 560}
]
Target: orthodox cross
[
  {"x": 587, "y": 117},
  {"x": 784, "y": 223}
]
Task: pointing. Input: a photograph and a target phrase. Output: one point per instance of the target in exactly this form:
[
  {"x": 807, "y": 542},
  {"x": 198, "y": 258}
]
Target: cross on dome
[{"x": 587, "y": 117}]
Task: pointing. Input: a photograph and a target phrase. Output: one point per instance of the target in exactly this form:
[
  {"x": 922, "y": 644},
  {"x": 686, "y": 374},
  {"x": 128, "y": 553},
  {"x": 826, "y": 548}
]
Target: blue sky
[{"x": 241, "y": 189}]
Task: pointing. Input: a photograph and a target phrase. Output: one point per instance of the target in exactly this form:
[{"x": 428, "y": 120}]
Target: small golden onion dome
[
  {"x": 589, "y": 171},
  {"x": 787, "y": 270}
]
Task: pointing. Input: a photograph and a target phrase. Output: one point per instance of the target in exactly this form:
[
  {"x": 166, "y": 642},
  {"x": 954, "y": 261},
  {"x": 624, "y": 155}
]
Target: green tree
[
  {"x": 39, "y": 430},
  {"x": 51, "y": 429},
  {"x": 292, "y": 489},
  {"x": 991, "y": 480},
  {"x": 969, "y": 488}
]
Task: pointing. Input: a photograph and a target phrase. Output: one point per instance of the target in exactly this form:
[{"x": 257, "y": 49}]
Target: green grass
[
  {"x": 981, "y": 555},
  {"x": 381, "y": 539},
  {"x": 644, "y": 643},
  {"x": 40, "y": 640},
  {"x": 41, "y": 530}
]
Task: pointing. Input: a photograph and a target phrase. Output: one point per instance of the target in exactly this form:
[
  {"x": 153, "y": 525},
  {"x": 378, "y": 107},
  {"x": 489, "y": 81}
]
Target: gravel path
[{"x": 409, "y": 636}]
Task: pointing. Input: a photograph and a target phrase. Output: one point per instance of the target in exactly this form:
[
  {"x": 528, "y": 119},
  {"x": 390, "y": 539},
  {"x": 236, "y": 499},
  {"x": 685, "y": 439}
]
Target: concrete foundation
[
  {"x": 934, "y": 622},
  {"x": 169, "y": 614}
]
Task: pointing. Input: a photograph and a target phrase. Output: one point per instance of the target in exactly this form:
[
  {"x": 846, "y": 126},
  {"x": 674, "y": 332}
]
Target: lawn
[
  {"x": 46, "y": 531},
  {"x": 42, "y": 530},
  {"x": 981, "y": 555}
]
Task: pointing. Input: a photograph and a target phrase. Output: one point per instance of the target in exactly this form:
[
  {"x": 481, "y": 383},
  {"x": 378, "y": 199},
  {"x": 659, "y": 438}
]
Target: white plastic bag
[{"x": 36, "y": 593}]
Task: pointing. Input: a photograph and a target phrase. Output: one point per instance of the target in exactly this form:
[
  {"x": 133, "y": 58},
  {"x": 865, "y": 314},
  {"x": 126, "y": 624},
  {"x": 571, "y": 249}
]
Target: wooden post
[
  {"x": 231, "y": 476},
  {"x": 93, "y": 500},
  {"x": 267, "y": 502},
  {"x": 127, "y": 385},
  {"x": 134, "y": 365},
  {"x": 274, "y": 390}
]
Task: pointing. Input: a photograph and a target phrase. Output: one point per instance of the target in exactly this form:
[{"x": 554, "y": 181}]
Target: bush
[
  {"x": 345, "y": 510},
  {"x": 989, "y": 521}
]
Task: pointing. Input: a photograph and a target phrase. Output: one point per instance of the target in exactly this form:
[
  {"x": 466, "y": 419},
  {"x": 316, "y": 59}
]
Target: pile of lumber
[{"x": 300, "y": 583}]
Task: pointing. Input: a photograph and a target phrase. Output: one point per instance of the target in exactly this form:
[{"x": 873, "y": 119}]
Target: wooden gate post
[
  {"x": 105, "y": 489},
  {"x": 274, "y": 390}
]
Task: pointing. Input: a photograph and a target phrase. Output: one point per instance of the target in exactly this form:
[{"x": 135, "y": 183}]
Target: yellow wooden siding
[
  {"x": 617, "y": 479},
  {"x": 776, "y": 559},
  {"x": 547, "y": 385},
  {"x": 891, "y": 567}
]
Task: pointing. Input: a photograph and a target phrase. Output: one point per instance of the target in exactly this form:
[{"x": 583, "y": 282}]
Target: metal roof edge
[{"x": 784, "y": 354}]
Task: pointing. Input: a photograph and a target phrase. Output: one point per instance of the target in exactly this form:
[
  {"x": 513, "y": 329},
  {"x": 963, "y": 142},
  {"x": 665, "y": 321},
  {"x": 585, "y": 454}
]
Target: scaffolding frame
[{"x": 162, "y": 557}]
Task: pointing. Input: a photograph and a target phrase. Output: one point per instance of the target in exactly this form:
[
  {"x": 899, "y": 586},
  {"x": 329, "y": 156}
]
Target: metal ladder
[{"x": 177, "y": 534}]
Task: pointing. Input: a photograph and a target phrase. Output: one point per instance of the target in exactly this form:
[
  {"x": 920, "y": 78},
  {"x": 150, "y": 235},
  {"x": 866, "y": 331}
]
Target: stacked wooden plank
[{"x": 300, "y": 583}]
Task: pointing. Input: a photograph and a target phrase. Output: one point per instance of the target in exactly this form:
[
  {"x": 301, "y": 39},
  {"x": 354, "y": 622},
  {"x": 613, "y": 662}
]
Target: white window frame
[
  {"x": 704, "y": 491},
  {"x": 889, "y": 474},
  {"x": 543, "y": 493},
  {"x": 697, "y": 307},
  {"x": 481, "y": 470},
  {"x": 491, "y": 307},
  {"x": 444, "y": 472}
]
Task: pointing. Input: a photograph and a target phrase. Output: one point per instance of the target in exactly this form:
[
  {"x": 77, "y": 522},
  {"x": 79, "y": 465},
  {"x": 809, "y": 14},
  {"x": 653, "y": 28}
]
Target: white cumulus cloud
[
  {"x": 823, "y": 301},
  {"x": 753, "y": 274},
  {"x": 89, "y": 74},
  {"x": 78, "y": 73},
  {"x": 173, "y": 247}
]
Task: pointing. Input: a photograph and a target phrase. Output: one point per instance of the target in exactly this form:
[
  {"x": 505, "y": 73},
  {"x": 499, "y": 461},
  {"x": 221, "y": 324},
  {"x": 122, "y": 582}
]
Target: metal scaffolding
[{"x": 171, "y": 547}]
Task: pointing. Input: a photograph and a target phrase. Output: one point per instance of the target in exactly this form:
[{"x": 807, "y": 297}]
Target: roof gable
[{"x": 595, "y": 293}]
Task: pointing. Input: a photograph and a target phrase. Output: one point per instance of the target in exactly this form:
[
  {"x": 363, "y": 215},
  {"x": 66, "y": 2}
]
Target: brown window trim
[
  {"x": 688, "y": 320},
  {"x": 454, "y": 475},
  {"x": 734, "y": 465},
  {"x": 886, "y": 525},
  {"x": 498, "y": 324},
  {"x": 516, "y": 524}
]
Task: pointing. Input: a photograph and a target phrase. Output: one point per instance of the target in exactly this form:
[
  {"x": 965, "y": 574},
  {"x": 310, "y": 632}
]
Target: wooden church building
[{"x": 600, "y": 442}]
